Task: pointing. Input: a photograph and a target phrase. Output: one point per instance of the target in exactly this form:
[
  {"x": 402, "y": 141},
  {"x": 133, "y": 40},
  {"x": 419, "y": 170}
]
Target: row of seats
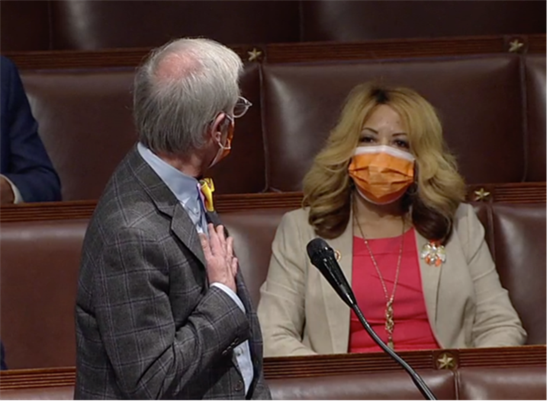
[
  {"x": 519, "y": 383},
  {"x": 38, "y": 288},
  {"x": 493, "y": 109},
  {"x": 92, "y": 24}
]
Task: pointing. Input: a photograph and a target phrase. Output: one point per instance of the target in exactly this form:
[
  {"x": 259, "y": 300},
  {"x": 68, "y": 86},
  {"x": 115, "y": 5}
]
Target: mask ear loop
[
  {"x": 411, "y": 195},
  {"x": 413, "y": 188}
]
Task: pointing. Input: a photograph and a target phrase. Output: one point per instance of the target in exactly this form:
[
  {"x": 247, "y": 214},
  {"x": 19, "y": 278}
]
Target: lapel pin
[{"x": 433, "y": 253}]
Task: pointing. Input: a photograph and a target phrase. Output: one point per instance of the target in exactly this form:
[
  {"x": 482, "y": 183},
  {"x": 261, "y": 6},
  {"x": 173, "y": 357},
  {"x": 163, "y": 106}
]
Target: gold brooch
[{"x": 434, "y": 253}]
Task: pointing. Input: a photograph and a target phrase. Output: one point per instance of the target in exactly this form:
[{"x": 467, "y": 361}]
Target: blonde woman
[{"x": 386, "y": 196}]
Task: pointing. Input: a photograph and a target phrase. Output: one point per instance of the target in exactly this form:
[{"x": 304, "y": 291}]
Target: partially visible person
[
  {"x": 3, "y": 365},
  {"x": 26, "y": 172},
  {"x": 162, "y": 311},
  {"x": 386, "y": 195}
]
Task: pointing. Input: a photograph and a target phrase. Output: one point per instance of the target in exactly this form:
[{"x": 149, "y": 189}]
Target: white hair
[{"x": 180, "y": 90}]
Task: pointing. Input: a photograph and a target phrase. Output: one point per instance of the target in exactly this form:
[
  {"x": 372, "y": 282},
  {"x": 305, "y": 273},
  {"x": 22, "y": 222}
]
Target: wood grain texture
[
  {"x": 295, "y": 52},
  {"x": 325, "y": 365},
  {"x": 523, "y": 193}
]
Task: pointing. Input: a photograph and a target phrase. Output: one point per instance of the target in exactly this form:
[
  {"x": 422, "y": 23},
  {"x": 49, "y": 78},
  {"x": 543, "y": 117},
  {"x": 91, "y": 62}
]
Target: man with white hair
[{"x": 162, "y": 311}]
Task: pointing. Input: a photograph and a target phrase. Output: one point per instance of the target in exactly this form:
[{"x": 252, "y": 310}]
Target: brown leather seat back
[
  {"x": 384, "y": 385},
  {"x": 518, "y": 383},
  {"x": 34, "y": 34},
  {"x": 91, "y": 24},
  {"x": 40, "y": 262},
  {"x": 348, "y": 21},
  {"x": 253, "y": 232},
  {"x": 303, "y": 102},
  {"x": 535, "y": 82},
  {"x": 520, "y": 257},
  {"x": 38, "y": 283},
  {"x": 85, "y": 121}
]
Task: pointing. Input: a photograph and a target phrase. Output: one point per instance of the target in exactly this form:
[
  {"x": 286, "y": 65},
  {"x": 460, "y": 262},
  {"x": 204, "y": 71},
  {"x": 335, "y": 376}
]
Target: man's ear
[{"x": 216, "y": 128}]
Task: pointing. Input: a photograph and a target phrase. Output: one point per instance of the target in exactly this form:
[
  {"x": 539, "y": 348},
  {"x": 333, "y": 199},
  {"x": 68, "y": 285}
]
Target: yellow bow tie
[{"x": 207, "y": 189}]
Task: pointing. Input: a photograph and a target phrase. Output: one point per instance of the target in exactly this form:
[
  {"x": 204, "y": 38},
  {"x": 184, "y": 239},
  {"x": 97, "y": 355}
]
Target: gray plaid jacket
[{"x": 148, "y": 326}]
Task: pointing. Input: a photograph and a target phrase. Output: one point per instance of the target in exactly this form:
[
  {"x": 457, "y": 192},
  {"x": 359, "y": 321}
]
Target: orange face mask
[
  {"x": 381, "y": 173},
  {"x": 225, "y": 149}
]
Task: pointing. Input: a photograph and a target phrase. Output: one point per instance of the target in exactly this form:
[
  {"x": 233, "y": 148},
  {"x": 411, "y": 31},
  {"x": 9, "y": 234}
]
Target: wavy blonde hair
[{"x": 438, "y": 189}]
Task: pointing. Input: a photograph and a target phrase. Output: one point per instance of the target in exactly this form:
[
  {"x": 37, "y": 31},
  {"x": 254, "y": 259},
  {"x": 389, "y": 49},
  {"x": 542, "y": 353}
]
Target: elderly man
[{"x": 162, "y": 311}]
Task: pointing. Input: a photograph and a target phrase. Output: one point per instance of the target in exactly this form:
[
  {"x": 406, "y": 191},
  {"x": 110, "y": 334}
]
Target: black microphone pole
[
  {"x": 420, "y": 384},
  {"x": 322, "y": 257}
]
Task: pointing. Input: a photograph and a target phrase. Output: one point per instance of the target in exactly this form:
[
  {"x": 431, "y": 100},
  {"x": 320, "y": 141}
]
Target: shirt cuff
[
  {"x": 17, "y": 199},
  {"x": 230, "y": 293}
]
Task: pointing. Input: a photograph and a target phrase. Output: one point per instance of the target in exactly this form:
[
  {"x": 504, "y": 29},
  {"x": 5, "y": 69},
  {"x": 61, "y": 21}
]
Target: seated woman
[{"x": 386, "y": 196}]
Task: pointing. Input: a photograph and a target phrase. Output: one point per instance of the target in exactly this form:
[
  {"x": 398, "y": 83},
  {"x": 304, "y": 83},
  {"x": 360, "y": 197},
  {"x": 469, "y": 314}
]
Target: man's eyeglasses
[{"x": 241, "y": 107}]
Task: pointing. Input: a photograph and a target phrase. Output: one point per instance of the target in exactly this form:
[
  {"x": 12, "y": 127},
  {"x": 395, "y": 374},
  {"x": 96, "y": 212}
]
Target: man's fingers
[
  {"x": 229, "y": 246},
  {"x": 234, "y": 266},
  {"x": 221, "y": 237},
  {"x": 214, "y": 240},
  {"x": 205, "y": 245}
]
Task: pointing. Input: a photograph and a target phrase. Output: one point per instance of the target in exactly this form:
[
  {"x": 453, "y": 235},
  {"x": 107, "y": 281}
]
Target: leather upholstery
[
  {"x": 85, "y": 121},
  {"x": 535, "y": 82},
  {"x": 303, "y": 101},
  {"x": 519, "y": 234},
  {"x": 33, "y": 34},
  {"x": 397, "y": 386},
  {"x": 40, "y": 263},
  {"x": 38, "y": 283},
  {"x": 367, "y": 20},
  {"x": 497, "y": 383},
  {"x": 91, "y": 24},
  {"x": 253, "y": 233},
  {"x": 86, "y": 125}
]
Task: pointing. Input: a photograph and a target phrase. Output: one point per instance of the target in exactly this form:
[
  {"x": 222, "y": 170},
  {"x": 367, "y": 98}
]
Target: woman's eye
[
  {"x": 366, "y": 140},
  {"x": 402, "y": 144}
]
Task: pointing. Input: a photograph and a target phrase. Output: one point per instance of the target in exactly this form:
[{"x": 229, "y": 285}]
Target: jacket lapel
[
  {"x": 167, "y": 204},
  {"x": 337, "y": 312},
  {"x": 183, "y": 228}
]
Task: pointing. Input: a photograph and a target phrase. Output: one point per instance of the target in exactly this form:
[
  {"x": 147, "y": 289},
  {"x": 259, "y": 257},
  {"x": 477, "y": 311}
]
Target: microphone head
[
  {"x": 323, "y": 258},
  {"x": 318, "y": 248}
]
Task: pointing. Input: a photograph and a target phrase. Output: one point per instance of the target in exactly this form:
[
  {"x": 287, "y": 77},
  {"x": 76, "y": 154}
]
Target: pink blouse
[{"x": 412, "y": 329}]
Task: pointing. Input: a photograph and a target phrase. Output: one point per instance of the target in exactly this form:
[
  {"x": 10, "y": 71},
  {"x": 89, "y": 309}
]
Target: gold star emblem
[
  {"x": 446, "y": 361},
  {"x": 481, "y": 194},
  {"x": 515, "y": 46},
  {"x": 254, "y": 55}
]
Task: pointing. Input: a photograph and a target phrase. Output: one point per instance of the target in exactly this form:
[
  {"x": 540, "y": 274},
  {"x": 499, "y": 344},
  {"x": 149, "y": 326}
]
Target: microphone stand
[{"x": 420, "y": 384}]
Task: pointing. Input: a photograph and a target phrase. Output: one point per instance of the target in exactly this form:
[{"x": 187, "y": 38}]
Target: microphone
[{"x": 322, "y": 257}]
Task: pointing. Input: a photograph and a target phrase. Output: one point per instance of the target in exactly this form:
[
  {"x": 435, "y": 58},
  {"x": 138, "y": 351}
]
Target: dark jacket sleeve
[
  {"x": 3, "y": 365},
  {"x": 28, "y": 165}
]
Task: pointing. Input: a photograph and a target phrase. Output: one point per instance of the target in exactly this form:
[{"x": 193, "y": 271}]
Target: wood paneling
[
  {"x": 324, "y": 365},
  {"x": 509, "y": 193},
  {"x": 297, "y": 52}
]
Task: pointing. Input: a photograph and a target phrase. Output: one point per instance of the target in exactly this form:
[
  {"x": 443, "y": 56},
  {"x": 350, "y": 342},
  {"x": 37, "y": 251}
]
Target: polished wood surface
[
  {"x": 510, "y": 193},
  {"x": 325, "y": 365},
  {"x": 298, "y": 52}
]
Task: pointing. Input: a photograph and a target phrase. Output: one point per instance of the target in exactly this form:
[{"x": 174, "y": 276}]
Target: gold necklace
[{"x": 390, "y": 324}]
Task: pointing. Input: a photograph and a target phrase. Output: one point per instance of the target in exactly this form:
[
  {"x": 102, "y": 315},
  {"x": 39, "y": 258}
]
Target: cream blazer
[{"x": 300, "y": 314}]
